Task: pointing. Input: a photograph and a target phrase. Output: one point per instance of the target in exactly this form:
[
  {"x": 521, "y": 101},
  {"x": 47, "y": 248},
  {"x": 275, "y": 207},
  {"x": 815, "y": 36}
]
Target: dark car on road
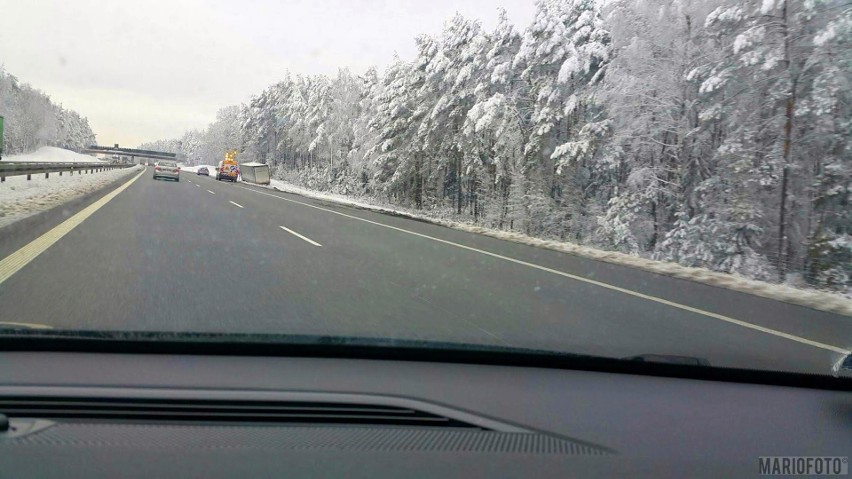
[{"x": 203, "y": 171}]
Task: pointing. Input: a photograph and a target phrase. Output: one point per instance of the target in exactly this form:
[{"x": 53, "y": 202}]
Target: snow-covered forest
[
  {"x": 712, "y": 134},
  {"x": 32, "y": 120}
]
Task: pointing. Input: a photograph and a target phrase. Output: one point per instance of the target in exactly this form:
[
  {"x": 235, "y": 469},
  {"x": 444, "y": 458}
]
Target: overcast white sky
[{"x": 151, "y": 69}]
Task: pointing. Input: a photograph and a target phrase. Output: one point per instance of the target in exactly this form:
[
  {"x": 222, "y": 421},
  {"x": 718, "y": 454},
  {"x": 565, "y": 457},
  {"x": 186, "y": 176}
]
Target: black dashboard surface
[{"x": 646, "y": 426}]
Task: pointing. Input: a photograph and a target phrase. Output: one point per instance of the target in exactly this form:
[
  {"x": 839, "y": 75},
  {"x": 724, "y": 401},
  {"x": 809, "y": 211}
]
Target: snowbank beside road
[
  {"x": 824, "y": 301},
  {"x": 20, "y": 198},
  {"x": 50, "y": 154}
]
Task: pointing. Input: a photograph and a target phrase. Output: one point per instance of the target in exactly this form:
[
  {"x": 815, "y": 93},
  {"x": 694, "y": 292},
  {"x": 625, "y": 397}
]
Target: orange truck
[{"x": 228, "y": 168}]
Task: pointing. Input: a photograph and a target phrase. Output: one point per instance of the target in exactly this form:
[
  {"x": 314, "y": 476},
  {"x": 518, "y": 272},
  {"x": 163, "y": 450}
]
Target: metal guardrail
[{"x": 34, "y": 168}]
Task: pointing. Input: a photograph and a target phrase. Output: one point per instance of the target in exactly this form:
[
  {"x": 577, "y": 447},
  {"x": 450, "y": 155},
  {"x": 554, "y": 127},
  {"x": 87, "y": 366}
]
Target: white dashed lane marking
[{"x": 299, "y": 236}]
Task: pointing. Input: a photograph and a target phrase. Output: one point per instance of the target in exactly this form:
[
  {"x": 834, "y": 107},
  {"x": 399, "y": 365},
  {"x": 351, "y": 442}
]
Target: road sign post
[{"x": 1, "y": 137}]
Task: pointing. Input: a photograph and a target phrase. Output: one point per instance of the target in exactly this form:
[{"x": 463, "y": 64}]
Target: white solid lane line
[
  {"x": 626, "y": 291},
  {"x": 300, "y": 236},
  {"x": 236, "y": 204},
  {"x": 212, "y": 193}
]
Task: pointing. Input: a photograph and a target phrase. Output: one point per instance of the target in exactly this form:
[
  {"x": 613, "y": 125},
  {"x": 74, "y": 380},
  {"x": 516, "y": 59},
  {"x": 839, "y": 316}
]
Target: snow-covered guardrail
[{"x": 33, "y": 168}]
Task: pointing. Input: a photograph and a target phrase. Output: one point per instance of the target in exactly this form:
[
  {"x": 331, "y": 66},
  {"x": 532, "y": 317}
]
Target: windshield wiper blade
[
  {"x": 337, "y": 347},
  {"x": 269, "y": 342},
  {"x": 669, "y": 359}
]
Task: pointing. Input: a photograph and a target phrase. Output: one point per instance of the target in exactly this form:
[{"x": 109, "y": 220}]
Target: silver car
[{"x": 167, "y": 169}]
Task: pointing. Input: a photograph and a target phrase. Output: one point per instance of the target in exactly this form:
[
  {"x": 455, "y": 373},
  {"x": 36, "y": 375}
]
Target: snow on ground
[
  {"x": 821, "y": 300},
  {"x": 53, "y": 155},
  {"x": 20, "y": 198}
]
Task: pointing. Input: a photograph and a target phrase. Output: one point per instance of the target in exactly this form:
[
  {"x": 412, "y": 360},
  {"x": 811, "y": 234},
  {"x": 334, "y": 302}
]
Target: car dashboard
[{"x": 78, "y": 414}]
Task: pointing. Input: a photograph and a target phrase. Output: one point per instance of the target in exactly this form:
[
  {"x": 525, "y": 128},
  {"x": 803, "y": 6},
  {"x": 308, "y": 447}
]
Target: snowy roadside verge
[
  {"x": 51, "y": 154},
  {"x": 820, "y": 300},
  {"x": 21, "y": 198}
]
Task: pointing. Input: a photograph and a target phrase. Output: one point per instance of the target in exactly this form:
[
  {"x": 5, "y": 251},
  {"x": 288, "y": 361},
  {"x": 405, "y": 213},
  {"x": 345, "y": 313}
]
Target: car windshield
[{"x": 616, "y": 178}]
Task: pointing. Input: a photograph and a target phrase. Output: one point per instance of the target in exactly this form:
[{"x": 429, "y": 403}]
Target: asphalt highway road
[{"x": 208, "y": 256}]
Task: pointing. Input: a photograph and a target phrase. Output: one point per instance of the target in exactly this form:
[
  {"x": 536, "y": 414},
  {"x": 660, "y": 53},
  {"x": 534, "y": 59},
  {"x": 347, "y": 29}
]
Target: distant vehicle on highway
[
  {"x": 167, "y": 169},
  {"x": 228, "y": 168},
  {"x": 203, "y": 171}
]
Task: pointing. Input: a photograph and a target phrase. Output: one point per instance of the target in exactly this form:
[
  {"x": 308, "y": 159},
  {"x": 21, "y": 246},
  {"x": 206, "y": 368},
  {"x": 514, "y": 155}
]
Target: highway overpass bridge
[{"x": 131, "y": 155}]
